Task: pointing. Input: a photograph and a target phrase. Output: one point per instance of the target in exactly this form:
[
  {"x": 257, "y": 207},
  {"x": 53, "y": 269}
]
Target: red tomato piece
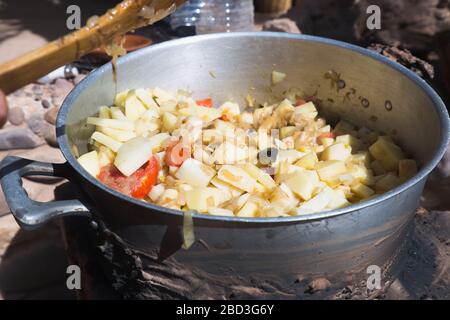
[
  {"x": 300, "y": 102},
  {"x": 177, "y": 153},
  {"x": 138, "y": 185},
  {"x": 205, "y": 102},
  {"x": 327, "y": 135}
]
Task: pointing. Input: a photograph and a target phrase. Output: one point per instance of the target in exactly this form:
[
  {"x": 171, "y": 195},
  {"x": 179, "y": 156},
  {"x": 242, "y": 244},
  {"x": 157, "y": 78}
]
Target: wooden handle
[{"x": 125, "y": 17}]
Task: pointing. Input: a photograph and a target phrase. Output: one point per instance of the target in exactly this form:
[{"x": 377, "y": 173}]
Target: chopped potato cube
[
  {"x": 387, "y": 153},
  {"x": 308, "y": 161},
  {"x": 89, "y": 161},
  {"x": 111, "y": 143},
  {"x": 277, "y": 77},
  {"x": 338, "y": 151},
  {"x": 387, "y": 182},
  {"x": 301, "y": 184},
  {"x": 330, "y": 170},
  {"x": 195, "y": 173},
  {"x": 343, "y": 127},
  {"x": 362, "y": 190},
  {"x": 261, "y": 176},
  {"x": 249, "y": 210},
  {"x": 237, "y": 177},
  {"x": 407, "y": 168},
  {"x": 215, "y": 211}
]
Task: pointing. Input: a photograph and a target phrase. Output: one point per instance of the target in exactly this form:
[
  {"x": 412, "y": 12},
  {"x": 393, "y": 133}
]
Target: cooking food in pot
[{"x": 265, "y": 160}]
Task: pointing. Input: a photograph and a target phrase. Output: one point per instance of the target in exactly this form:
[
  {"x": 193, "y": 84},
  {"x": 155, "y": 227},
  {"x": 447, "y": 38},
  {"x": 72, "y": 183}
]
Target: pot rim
[{"x": 421, "y": 175}]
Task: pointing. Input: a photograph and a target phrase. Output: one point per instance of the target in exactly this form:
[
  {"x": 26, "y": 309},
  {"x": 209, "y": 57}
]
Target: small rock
[
  {"x": 281, "y": 25},
  {"x": 63, "y": 84},
  {"x": 51, "y": 114},
  {"x": 37, "y": 123},
  {"x": 18, "y": 138},
  {"x": 50, "y": 136},
  {"x": 61, "y": 89},
  {"x": 16, "y": 116},
  {"x": 3, "y": 109},
  {"x": 318, "y": 284},
  {"x": 78, "y": 78},
  {"x": 46, "y": 104}
]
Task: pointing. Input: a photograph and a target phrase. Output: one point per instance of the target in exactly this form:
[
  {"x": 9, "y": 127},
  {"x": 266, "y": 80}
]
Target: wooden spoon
[{"x": 125, "y": 17}]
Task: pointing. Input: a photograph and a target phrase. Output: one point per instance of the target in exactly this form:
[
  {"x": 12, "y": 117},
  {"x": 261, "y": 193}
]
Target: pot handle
[{"x": 32, "y": 214}]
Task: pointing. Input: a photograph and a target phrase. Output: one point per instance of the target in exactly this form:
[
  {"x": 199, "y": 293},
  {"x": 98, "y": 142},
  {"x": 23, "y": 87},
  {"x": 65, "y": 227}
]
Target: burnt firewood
[{"x": 404, "y": 57}]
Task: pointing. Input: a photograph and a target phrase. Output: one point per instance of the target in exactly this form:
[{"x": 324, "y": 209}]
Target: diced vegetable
[
  {"x": 237, "y": 177},
  {"x": 387, "y": 153},
  {"x": 407, "y": 168},
  {"x": 205, "y": 102},
  {"x": 111, "y": 123},
  {"x": 132, "y": 155},
  {"x": 89, "y": 161},
  {"x": 273, "y": 159},
  {"x": 134, "y": 108},
  {"x": 301, "y": 184},
  {"x": 277, "y": 77},
  {"x": 362, "y": 190},
  {"x": 308, "y": 161},
  {"x": 114, "y": 145},
  {"x": 329, "y": 170},
  {"x": 195, "y": 172},
  {"x": 261, "y": 176},
  {"x": 337, "y": 151}
]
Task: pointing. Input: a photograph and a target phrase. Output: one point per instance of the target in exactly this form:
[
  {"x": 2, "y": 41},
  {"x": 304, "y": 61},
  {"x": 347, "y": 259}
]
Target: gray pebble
[
  {"x": 18, "y": 138},
  {"x": 16, "y": 116},
  {"x": 50, "y": 136},
  {"x": 37, "y": 123},
  {"x": 46, "y": 104},
  {"x": 51, "y": 114}
]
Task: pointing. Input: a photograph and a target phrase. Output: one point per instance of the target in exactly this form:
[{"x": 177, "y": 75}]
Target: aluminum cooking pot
[{"x": 366, "y": 89}]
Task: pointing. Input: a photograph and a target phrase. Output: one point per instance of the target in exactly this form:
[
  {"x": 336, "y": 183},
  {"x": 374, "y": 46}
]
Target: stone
[
  {"x": 3, "y": 109},
  {"x": 16, "y": 116},
  {"x": 46, "y": 104},
  {"x": 51, "y": 114},
  {"x": 18, "y": 138},
  {"x": 37, "y": 123},
  {"x": 318, "y": 284},
  {"x": 50, "y": 136},
  {"x": 63, "y": 85},
  {"x": 78, "y": 78},
  {"x": 61, "y": 89},
  {"x": 281, "y": 25}
]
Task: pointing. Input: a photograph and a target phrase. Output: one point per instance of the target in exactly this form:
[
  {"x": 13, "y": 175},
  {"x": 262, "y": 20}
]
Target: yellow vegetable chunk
[
  {"x": 337, "y": 151},
  {"x": 132, "y": 155},
  {"x": 330, "y": 170},
  {"x": 387, "y": 182},
  {"x": 362, "y": 190},
  {"x": 261, "y": 176},
  {"x": 387, "y": 153},
  {"x": 195, "y": 173},
  {"x": 89, "y": 161},
  {"x": 104, "y": 113},
  {"x": 215, "y": 211},
  {"x": 343, "y": 127},
  {"x": 350, "y": 140},
  {"x": 237, "y": 177},
  {"x": 407, "y": 168},
  {"x": 170, "y": 121},
  {"x": 277, "y": 77},
  {"x": 134, "y": 108},
  {"x": 249, "y": 210},
  {"x": 301, "y": 184},
  {"x": 120, "y": 98},
  {"x": 111, "y": 143}
]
